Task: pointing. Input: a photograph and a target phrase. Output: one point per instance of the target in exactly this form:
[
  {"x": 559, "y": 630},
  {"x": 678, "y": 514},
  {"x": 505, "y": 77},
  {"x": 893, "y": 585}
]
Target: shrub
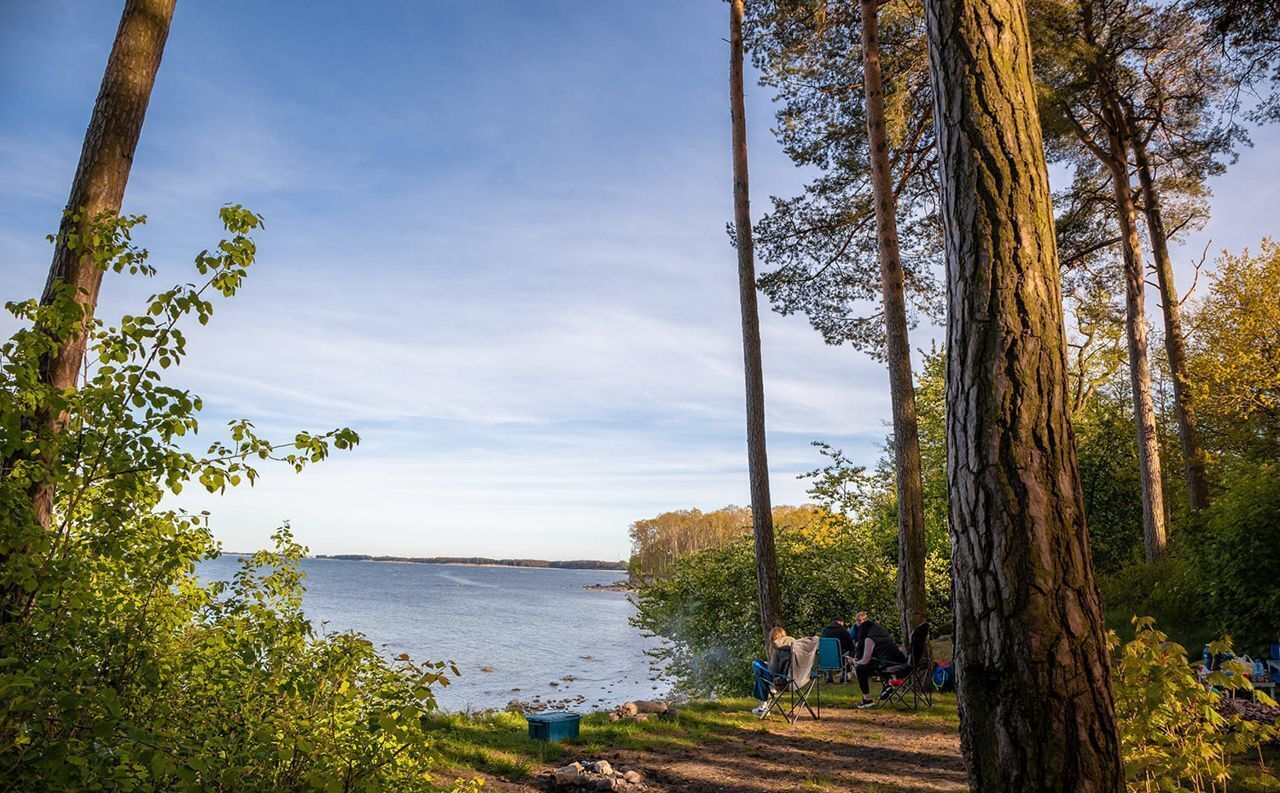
[
  {"x": 118, "y": 669},
  {"x": 1172, "y": 735},
  {"x": 1170, "y": 591},
  {"x": 1238, "y": 553},
  {"x": 707, "y": 608}
]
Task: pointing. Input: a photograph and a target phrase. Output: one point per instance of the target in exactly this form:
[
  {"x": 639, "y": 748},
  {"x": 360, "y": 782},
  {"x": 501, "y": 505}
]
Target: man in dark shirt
[{"x": 875, "y": 649}]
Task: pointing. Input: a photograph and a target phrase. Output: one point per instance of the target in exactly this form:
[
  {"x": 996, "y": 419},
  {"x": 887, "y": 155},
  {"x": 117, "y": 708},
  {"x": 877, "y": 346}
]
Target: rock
[
  {"x": 632, "y": 776},
  {"x": 570, "y": 774},
  {"x": 627, "y": 709},
  {"x": 614, "y": 717},
  {"x": 516, "y": 706},
  {"x": 640, "y": 717},
  {"x": 607, "y": 783},
  {"x": 486, "y": 669},
  {"x": 670, "y": 715},
  {"x": 554, "y": 683},
  {"x": 602, "y": 767},
  {"x": 568, "y": 678},
  {"x": 650, "y": 705}
]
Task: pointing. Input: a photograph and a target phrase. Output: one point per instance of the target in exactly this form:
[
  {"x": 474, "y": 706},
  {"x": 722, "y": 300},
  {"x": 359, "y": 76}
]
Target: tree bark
[
  {"x": 1175, "y": 343},
  {"x": 1144, "y": 411},
  {"x": 906, "y": 436},
  {"x": 757, "y": 459},
  {"x": 1036, "y": 711},
  {"x": 98, "y": 188}
]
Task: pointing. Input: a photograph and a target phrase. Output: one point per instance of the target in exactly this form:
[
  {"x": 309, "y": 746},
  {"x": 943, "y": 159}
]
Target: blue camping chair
[
  {"x": 830, "y": 661},
  {"x": 773, "y": 687}
]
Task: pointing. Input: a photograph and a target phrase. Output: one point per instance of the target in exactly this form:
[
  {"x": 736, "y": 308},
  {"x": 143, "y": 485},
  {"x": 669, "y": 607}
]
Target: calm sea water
[{"x": 530, "y": 626}]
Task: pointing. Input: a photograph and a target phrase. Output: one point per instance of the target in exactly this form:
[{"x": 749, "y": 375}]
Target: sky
[{"x": 495, "y": 247}]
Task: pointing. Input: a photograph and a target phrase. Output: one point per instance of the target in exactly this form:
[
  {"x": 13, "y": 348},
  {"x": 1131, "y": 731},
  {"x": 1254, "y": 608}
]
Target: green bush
[
  {"x": 1170, "y": 591},
  {"x": 118, "y": 669},
  {"x": 1237, "y": 550},
  {"x": 1172, "y": 735},
  {"x": 707, "y": 607}
]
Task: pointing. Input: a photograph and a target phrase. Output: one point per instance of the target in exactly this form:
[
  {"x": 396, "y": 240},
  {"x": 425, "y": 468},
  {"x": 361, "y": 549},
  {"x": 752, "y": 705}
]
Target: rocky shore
[{"x": 616, "y": 586}]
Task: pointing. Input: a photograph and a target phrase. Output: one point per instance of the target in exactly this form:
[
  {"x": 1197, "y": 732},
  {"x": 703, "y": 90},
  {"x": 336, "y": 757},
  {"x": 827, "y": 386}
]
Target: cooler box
[{"x": 553, "y": 726}]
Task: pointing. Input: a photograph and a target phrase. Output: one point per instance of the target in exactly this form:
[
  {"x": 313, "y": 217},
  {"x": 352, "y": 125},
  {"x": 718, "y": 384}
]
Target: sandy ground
[{"x": 847, "y": 750}]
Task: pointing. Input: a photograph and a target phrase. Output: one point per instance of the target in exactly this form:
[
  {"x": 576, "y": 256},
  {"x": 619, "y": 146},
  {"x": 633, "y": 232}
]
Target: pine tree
[
  {"x": 1036, "y": 710},
  {"x": 757, "y": 458}
]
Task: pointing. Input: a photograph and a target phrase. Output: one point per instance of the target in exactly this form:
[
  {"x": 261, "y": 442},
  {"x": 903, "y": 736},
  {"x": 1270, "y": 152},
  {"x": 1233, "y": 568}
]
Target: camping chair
[
  {"x": 915, "y": 677},
  {"x": 781, "y": 686},
  {"x": 830, "y": 661}
]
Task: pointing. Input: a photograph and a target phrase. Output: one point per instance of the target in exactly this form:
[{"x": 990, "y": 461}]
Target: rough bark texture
[
  {"x": 1032, "y": 667},
  {"x": 906, "y": 435},
  {"x": 1175, "y": 343},
  {"x": 758, "y": 462},
  {"x": 1135, "y": 326},
  {"x": 100, "y": 179}
]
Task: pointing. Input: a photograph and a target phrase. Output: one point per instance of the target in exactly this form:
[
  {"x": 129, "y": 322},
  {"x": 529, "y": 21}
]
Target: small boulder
[
  {"x": 650, "y": 706},
  {"x": 602, "y": 767},
  {"x": 627, "y": 709},
  {"x": 632, "y": 776},
  {"x": 606, "y": 783},
  {"x": 640, "y": 717},
  {"x": 570, "y": 774}
]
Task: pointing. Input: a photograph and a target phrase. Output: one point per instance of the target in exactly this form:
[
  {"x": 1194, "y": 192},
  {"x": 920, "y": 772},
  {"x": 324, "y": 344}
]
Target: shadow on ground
[{"x": 721, "y": 746}]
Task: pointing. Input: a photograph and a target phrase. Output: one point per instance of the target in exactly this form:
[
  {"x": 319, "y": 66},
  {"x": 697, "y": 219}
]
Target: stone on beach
[{"x": 570, "y": 774}]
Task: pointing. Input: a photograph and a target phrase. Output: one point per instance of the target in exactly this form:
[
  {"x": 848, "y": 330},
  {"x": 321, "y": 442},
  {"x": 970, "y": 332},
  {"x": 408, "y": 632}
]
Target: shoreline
[{"x": 556, "y": 566}]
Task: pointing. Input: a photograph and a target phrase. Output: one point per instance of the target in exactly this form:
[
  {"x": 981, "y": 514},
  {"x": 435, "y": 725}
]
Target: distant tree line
[
  {"x": 571, "y": 564},
  {"x": 657, "y": 542}
]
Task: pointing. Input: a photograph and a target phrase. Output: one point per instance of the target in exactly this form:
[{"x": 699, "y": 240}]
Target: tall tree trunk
[
  {"x": 906, "y": 435},
  {"x": 757, "y": 460},
  {"x": 1036, "y": 711},
  {"x": 1175, "y": 343},
  {"x": 98, "y": 188},
  {"x": 1144, "y": 411}
]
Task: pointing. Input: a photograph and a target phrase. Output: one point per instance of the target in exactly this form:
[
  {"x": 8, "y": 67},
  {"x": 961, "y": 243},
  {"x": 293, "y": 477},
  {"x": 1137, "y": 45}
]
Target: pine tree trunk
[
  {"x": 906, "y": 436},
  {"x": 1033, "y": 675},
  {"x": 1144, "y": 411},
  {"x": 1175, "y": 343},
  {"x": 99, "y": 184},
  {"x": 757, "y": 460}
]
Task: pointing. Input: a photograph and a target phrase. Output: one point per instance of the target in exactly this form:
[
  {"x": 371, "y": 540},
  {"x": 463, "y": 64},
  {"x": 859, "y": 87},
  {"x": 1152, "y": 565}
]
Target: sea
[{"x": 537, "y": 635}]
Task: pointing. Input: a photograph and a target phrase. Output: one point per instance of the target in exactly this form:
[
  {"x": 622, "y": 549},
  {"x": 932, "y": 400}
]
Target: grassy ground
[{"x": 721, "y": 746}]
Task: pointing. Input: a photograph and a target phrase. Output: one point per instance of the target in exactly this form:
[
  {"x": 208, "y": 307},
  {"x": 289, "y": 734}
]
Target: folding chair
[
  {"x": 780, "y": 687},
  {"x": 830, "y": 660},
  {"x": 915, "y": 677}
]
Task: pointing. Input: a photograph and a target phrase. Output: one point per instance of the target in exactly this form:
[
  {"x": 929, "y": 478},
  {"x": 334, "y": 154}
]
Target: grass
[{"x": 497, "y": 743}]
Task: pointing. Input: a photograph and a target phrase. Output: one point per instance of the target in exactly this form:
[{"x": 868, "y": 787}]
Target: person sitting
[
  {"x": 839, "y": 630},
  {"x": 779, "y": 663},
  {"x": 875, "y": 650}
]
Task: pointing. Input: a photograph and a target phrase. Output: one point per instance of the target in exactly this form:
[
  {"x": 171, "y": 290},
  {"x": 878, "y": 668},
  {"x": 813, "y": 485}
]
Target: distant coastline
[{"x": 480, "y": 561}]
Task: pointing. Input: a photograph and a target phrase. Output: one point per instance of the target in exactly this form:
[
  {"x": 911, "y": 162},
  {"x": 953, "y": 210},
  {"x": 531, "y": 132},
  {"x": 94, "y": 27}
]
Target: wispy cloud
[{"x": 495, "y": 246}]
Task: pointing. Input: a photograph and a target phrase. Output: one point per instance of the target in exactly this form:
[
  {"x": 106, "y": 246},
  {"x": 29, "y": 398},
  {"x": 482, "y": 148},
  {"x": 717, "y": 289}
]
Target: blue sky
[{"x": 495, "y": 247}]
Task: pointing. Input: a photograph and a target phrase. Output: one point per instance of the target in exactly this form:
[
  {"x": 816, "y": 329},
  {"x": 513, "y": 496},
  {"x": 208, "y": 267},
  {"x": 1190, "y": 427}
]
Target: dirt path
[{"x": 847, "y": 750}]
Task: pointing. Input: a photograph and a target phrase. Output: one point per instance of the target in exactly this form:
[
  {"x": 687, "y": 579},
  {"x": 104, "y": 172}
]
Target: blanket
[{"x": 804, "y": 653}]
